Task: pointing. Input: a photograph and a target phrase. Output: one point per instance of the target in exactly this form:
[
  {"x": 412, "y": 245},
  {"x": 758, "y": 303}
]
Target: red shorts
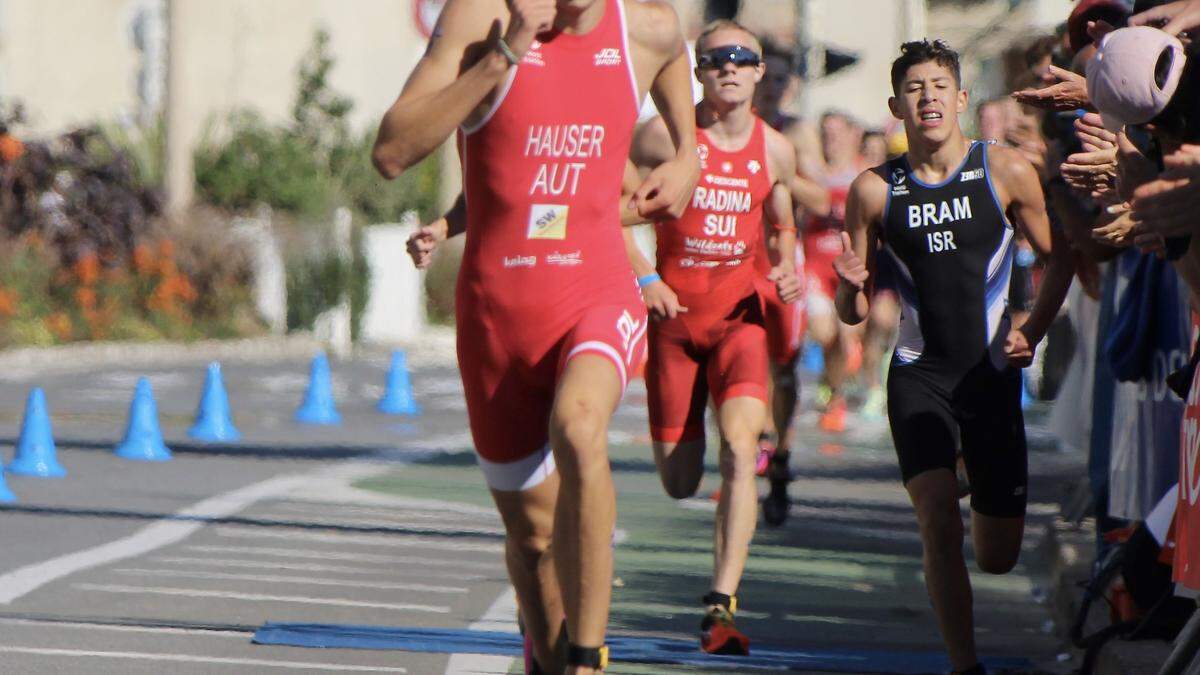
[
  {"x": 785, "y": 323},
  {"x": 820, "y": 250},
  {"x": 510, "y": 384},
  {"x": 727, "y": 358}
]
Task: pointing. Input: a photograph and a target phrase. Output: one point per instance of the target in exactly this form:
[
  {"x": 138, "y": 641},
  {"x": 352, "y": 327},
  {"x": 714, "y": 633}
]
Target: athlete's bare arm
[
  {"x": 781, "y": 214},
  {"x": 651, "y": 147},
  {"x": 807, "y": 193},
  {"x": 1020, "y": 190},
  {"x": 456, "y": 77},
  {"x": 660, "y": 59},
  {"x": 856, "y": 264}
]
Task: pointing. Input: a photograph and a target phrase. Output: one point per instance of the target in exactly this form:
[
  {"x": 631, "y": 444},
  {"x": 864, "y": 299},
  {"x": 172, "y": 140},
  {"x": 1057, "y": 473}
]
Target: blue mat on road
[{"x": 627, "y": 649}]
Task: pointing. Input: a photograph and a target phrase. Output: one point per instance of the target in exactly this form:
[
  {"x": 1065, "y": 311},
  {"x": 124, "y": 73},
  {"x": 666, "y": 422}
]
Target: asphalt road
[{"x": 131, "y": 567}]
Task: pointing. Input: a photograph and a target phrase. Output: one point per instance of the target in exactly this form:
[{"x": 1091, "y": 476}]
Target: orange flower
[
  {"x": 87, "y": 268},
  {"x": 8, "y": 303},
  {"x": 166, "y": 248},
  {"x": 143, "y": 259},
  {"x": 85, "y": 297}
]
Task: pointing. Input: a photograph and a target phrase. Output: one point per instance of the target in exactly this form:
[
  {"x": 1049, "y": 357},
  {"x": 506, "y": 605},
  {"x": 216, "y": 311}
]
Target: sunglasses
[{"x": 736, "y": 54}]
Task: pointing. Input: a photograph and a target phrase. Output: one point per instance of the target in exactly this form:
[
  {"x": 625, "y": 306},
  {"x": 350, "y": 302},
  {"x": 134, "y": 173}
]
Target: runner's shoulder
[
  {"x": 870, "y": 190},
  {"x": 780, "y": 151},
  {"x": 1009, "y": 169},
  {"x": 654, "y": 24}
]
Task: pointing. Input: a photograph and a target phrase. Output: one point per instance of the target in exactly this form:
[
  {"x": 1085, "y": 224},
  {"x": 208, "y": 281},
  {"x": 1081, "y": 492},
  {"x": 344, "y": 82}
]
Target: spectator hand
[
  {"x": 1116, "y": 231},
  {"x": 1169, "y": 205},
  {"x": 1094, "y": 171},
  {"x": 1092, "y": 134},
  {"x": 1065, "y": 91},
  {"x": 1173, "y": 17},
  {"x": 1133, "y": 168}
]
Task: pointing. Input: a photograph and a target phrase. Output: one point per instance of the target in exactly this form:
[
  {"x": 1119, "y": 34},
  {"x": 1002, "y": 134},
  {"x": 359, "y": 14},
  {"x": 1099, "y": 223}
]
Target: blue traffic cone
[
  {"x": 318, "y": 407},
  {"x": 398, "y": 395},
  {"x": 6, "y": 495},
  {"x": 35, "y": 454},
  {"x": 143, "y": 438},
  {"x": 214, "y": 423}
]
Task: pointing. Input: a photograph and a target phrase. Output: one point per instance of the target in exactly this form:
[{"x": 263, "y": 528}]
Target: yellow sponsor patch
[{"x": 548, "y": 221}]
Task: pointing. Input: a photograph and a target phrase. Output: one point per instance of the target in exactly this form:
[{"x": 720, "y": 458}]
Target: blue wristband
[{"x": 648, "y": 279}]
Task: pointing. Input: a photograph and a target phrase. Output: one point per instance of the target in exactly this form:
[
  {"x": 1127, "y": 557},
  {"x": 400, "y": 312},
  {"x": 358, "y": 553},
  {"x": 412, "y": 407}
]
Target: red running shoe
[{"x": 718, "y": 634}]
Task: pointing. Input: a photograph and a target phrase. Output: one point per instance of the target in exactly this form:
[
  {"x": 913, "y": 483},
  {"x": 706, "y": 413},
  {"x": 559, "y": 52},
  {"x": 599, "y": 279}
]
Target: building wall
[{"x": 73, "y": 62}]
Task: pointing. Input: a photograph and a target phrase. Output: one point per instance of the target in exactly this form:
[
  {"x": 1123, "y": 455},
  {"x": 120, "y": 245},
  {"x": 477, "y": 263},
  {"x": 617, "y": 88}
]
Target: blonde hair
[{"x": 726, "y": 24}]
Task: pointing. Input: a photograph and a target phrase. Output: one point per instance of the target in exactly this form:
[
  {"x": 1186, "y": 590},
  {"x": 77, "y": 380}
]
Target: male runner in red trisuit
[
  {"x": 785, "y": 323},
  {"x": 707, "y": 337},
  {"x": 944, "y": 214},
  {"x": 545, "y": 95}
]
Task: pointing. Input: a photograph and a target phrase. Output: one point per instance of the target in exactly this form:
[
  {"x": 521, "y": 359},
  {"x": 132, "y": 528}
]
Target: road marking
[
  {"x": 156, "y": 535},
  {"x": 340, "y": 555},
  {"x": 185, "y": 658},
  {"x": 402, "y": 540},
  {"x": 126, "y": 628},
  {"x": 353, "y": 499},
  {"x": 410, "y": 528},
  {"x": 314, "y": 581},
  {"x": 501, "y": 615},
  {"x": 259, "y": 597},
  {"x": 314, "y": 567}
]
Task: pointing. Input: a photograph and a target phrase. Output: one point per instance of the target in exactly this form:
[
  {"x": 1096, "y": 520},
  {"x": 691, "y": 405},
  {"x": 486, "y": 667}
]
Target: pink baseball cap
[{"x": 1134, "y": 74}]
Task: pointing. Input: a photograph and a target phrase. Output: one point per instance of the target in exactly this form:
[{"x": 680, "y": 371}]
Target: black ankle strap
[
  {"x": 729, "y": 602},
  {"x": 588, "y": 657}
]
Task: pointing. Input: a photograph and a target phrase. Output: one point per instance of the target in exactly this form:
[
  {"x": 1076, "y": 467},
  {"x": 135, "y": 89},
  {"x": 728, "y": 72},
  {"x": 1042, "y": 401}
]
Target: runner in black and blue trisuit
[{"x": 944, "y": 215}]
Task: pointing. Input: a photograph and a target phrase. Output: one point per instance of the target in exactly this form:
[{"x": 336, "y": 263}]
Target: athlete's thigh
[
  {"x": 993, "y": 441},
  {"x": 738, "y": 366},
  {"x": 676, "y": 388},
  {"x": 924, "y": 431},
  {"x": 528, "y": 515},
  {"x": 508, "y": 407}
]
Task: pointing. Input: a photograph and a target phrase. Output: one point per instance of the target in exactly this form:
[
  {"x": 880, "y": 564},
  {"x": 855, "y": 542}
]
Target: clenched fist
[{"x": 529, "y": 18}]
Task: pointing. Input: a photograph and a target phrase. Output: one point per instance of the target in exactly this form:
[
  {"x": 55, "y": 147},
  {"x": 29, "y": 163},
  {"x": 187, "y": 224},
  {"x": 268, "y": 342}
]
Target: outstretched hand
[
  {"x": 849, "y": 267},
  {"x": 1064, "y": 91},
  {"x": 1017, "y": 349}
]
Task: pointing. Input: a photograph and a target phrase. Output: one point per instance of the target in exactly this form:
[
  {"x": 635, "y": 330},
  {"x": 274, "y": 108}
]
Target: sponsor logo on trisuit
[
  {"x": 520, "y": 261},
  {"x": 974, "y": 174},
  {"x": 609, "y": 56},
  {"x": 567, "y": 259},
  {"x": 547, "y": 221}
]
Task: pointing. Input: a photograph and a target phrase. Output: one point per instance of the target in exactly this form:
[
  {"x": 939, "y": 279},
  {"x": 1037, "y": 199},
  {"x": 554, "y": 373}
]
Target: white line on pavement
[
  {"x": 314, "y": 567},
  {"x": 258, "y": 597},
  {"x": 126, "y": 628},
  {"x": 161, "y": 533},
  {"x": 341, "y": 555},
  {"x": 426, "y": 528},
  {"x": 185, "y": 658},
  {"x": 403, "y": 540},
  {"x": 313, "y": 581},
  {"x": 501, "y": 616},
  {"x": 352, "y": 499}
]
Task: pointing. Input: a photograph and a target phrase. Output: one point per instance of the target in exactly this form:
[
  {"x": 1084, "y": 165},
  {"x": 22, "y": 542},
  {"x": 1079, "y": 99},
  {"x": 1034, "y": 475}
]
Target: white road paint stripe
[
  {"x": 355, "y": 499},
  {"x": 314, "y": 567},
  {"x": 260, "y": 597},
  {"x": 426, "y": 528},
  {"x": 401, "y": 540},
  {"x": 125, "y": 628},
  {"x": 23, "y": 580},
  {"x": 357, "y": 515},
  {"x": 340, "y": 555},
  {"x": 185, "y": 658},
  {"x": 369, "y": 584},
  {"x": 501, "y": 616}
]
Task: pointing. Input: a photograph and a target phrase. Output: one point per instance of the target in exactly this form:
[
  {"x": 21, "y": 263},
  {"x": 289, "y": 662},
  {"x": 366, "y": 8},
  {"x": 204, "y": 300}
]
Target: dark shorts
[{"x": 932, "y": 415}]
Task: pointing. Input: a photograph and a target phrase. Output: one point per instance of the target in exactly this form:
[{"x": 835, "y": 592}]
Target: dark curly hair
[{"x": 924, "y": 51}]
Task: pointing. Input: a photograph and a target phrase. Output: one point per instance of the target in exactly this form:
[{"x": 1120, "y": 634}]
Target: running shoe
[
  {"x": 833, "y": 420},
  {"x": 823, "y": 395},
  {"x": 776, "y": 504},
  {"x": 766, "y": 450},
  {"x": 718, "y": 634},
  {"x": 875, "y": 405}
]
